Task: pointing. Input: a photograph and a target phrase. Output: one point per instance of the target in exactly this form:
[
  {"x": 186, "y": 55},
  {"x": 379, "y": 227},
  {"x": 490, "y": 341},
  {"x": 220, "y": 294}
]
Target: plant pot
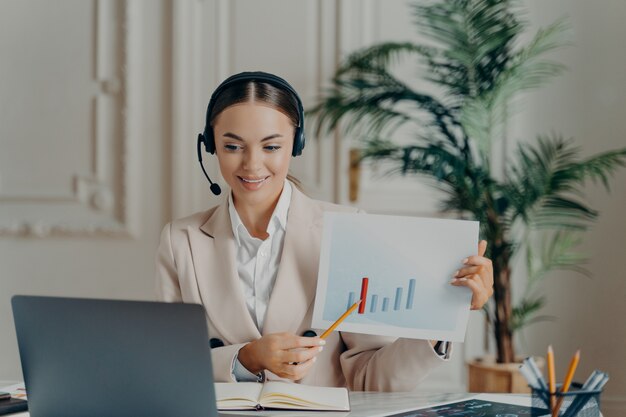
[{"x": 486, "y": 375}]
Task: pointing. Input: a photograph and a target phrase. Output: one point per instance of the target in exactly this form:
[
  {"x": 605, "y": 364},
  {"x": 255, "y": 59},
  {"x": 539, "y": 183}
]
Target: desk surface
[
  {"x": 371, "y": 404},
  {"x": 374, "y": 404}
]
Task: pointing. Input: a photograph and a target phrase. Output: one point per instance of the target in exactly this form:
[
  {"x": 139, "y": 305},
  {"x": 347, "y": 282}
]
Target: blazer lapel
[
  {"x": 296, "y": 281},
  {"x": 214, "y": 259}
]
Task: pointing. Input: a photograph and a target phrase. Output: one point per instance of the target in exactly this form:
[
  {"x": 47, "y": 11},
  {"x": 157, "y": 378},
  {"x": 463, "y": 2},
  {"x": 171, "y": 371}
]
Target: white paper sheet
[
  {"x": 16, "y": 390},
  {"x": 409, "y": 263}
]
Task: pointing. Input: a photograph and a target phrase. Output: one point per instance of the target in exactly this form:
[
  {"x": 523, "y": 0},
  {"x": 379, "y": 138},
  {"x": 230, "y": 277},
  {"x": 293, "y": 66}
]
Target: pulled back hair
[
  {"x": 257, "y": 91},
  {"x": 250, "y": 90}
]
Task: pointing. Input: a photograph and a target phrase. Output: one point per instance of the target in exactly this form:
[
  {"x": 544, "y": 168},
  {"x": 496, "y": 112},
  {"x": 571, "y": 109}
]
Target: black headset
[{"x": 207, "y": 136}]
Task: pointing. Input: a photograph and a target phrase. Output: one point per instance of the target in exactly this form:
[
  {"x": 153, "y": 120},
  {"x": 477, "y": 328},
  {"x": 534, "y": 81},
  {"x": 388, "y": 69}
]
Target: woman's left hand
[{"x": 477, "y": 275}]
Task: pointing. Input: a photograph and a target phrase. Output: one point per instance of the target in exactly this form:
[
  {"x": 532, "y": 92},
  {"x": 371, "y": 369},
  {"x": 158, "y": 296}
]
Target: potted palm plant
[{"x": 477, "y": 63}]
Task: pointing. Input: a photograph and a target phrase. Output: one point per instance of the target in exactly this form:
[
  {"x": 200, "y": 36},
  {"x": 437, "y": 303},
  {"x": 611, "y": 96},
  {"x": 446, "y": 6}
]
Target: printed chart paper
[{"x": 401, "y": 268}]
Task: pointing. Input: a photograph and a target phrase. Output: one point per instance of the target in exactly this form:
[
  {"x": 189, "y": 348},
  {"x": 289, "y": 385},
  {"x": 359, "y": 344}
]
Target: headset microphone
[{"x": 215, "y": 188}]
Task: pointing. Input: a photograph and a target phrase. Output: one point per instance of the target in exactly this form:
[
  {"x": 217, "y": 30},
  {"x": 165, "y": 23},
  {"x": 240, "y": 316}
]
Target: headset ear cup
[
  {"x": 298, "y": 143},
  {"x": 209, "y": 141}
]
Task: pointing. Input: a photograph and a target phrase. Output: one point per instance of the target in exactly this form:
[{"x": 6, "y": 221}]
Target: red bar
[{"x": 363, "y": 295}]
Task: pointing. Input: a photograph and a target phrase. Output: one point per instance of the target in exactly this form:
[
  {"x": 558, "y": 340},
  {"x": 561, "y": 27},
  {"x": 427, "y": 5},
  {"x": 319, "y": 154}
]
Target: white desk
[{"x": 375, "y": 404}]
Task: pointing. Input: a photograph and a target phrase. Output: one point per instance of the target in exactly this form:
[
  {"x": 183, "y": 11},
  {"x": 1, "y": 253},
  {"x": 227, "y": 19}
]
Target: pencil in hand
[{"x": 339, "y": 320}]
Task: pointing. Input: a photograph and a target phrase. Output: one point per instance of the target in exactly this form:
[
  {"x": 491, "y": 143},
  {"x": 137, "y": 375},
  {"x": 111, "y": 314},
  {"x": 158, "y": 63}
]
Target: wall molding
[
  {"x": 200, "y": 60},
  {"x": 105, "y": 200}
]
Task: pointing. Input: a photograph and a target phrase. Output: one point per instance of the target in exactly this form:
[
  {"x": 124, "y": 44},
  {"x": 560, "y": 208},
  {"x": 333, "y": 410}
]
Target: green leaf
[{"x": 526, "y": 313}]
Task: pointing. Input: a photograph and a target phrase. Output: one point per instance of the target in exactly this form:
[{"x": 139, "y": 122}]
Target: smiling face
[{"x": 253, "y": 143}]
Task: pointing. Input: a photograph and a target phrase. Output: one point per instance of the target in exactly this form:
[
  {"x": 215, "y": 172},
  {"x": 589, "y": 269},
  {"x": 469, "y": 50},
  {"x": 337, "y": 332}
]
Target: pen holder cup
[{"x": 574, "y": 403}]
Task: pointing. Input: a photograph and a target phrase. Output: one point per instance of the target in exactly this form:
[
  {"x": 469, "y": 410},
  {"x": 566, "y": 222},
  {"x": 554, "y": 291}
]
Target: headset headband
[
  {"x": 299, "y": 140},
  {"x": 256, "y": 76}
]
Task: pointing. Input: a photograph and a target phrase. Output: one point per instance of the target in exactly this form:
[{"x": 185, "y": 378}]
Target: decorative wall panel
[{"x": 75, "y": 172}]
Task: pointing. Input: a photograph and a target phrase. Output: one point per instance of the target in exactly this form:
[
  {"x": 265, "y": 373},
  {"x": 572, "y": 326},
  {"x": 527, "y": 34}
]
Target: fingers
[
  {"x": 470, "y": 270},
  {"x": 477, "y": 260},
  {"x": 285, "y": 341},
  {"x": 290, "y": 356},
  {"x": 295, "y": 371},
  {"x": 301, "y": 355},
  {"x": 480, "y": 294},
  {"x": 482, "y": 247},
  {"x": 477, "y": 275},
  {"x": 296, "y": 363}
]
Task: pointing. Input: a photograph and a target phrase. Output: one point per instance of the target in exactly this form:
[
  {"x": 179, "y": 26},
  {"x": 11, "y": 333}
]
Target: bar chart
[
  {"x": 369, "y": 302},
  {"x": 398, "y": 269}
]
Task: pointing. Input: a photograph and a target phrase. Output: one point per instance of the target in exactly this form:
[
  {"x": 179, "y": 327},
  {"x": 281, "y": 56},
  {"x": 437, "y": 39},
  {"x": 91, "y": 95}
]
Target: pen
[
  {"x": 551, "y": 377},
  {"x": 532, "y": 380},
  {"x": 602, "y": 382},
  {"x": 594, "y": 380},
  {"x": 533, "y": 366},
  {"x": 581, "y": 400},
  {"x": 340, "y": 319},
  {"x": 568, "y": 380},
  {"x": 530, "y": 377}
]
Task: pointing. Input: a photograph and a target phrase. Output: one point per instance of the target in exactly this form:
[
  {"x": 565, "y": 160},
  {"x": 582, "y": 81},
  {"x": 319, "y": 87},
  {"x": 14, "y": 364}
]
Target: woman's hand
[
  {"x": 284, "y": 354},
  {"x": 477, "y": 274}
]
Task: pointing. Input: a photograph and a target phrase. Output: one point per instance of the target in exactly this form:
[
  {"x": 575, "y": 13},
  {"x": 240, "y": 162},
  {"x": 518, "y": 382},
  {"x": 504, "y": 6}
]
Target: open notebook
[{"x": 280, "y": 395}]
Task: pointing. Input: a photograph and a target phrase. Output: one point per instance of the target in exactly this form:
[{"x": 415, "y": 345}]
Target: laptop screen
[{"x": 88, "y": 357}]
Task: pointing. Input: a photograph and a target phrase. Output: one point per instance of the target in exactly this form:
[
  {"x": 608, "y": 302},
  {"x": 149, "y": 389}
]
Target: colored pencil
[{"x": 340, "y": 319}]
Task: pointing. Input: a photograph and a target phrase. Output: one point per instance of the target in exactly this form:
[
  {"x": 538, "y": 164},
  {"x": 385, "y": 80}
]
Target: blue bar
[
  {"x": 385, "y": 303},
  {"x": 396, "y": 305},
  {"x": 409, "y": 300},
  {"x": 351, "y": 299},
  {"x": 373, "y": 303}
]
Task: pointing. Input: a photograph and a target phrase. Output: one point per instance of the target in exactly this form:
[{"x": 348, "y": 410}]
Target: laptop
[{"x": 103, "y": 358}]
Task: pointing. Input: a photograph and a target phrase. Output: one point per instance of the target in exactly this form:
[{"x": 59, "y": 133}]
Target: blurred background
[{"x": 101, "y": 102}]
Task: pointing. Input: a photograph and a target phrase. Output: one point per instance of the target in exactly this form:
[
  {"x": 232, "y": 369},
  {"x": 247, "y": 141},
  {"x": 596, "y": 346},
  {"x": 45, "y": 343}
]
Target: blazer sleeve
[
  {"x": 167, "y": 285},
  {"x": 375, "y": 363},
  {"x": 168, "y": 290},
  {"x": 223, "y": 359}
]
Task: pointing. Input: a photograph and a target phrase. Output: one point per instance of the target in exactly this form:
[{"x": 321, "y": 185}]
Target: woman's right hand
[{"x": 284, "y": 354}]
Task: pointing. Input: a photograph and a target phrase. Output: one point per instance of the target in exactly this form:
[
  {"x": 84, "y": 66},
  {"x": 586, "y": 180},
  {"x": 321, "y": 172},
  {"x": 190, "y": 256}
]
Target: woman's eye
[
  {"x": 272, "y": 148},
  {"x": 232, "y": 148}
]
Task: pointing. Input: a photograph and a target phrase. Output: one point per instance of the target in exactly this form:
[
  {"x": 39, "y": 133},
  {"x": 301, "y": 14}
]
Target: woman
[{"x": 252, "y": 261}]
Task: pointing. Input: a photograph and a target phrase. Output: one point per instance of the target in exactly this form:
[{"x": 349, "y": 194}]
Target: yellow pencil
[
  {"x": 568, "y": 380},
  {"x": 340, "y": 319},
  {"x": 551, "y": 377}
]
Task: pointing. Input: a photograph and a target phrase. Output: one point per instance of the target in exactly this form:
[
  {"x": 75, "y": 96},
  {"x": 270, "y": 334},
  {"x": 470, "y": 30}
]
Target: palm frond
[
  {"x": 543, "y": 189},
  {"x": 473, "y": 40},
  {"x": 367, "y": 100},
  {"x": 527, "y": 67},
  {"x": 380, "y": 56},
  {"x": 522, "y": 314},
  {"x": 484, "y": 117},
  {"x": 553, "y": 252},
  {"x": 465, "y": 184},
  {"x": 598, "y": 167}
]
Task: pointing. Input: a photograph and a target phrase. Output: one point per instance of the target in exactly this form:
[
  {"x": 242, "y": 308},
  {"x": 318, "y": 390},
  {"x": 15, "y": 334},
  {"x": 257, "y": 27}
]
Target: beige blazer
[{"x": 196, "y": 264}]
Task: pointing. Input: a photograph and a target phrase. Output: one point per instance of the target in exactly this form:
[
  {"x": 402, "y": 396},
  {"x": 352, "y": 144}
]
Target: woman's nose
[{"x": 252, "y": 160}]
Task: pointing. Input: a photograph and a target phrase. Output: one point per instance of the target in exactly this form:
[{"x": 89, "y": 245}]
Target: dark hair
[{"x": 244, "y": 91}]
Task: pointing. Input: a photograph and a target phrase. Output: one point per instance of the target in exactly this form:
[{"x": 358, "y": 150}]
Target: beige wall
[
  {"x": 57, "y": 239},
  {"x": 588, "y": 104},
  {"x": 118, "y": 110}
]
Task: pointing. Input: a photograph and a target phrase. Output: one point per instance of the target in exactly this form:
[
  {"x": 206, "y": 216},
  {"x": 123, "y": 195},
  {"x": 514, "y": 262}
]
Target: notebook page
[
  {"x": 237, "y": 394},
  {"x": 282, "y": 394}
]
